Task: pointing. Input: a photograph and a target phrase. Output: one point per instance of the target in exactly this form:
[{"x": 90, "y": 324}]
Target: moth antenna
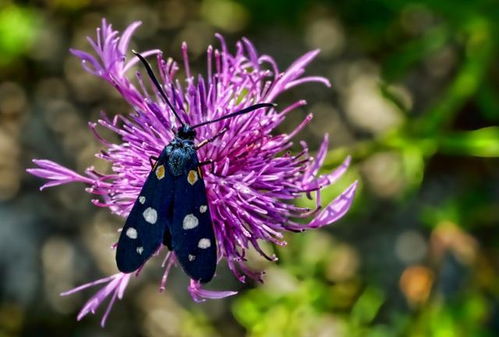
[
  {"x": 237, "y": 113},
  {"x": 156, "y": 83}
]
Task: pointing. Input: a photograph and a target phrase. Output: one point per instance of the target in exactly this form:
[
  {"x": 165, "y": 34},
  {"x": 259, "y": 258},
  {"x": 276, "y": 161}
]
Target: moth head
[{"x": 186, "y": 132}]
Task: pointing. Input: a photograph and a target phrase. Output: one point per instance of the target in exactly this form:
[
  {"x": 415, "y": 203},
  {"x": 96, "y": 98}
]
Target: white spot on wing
[
  {"x": 150, "y": 215},
  {"x": 204, "y": 243},
  {"x": 203, "y": 208},
  {"x": 191, "y": 257},
  {"x": 142, "y": 199},
  {"x": 140, "y": 250},
  {"x": 131, "y": 233},
  {"x": 190, "y": 222}
]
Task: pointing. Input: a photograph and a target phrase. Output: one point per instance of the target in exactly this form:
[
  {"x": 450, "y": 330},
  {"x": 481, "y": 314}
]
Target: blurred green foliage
[
  {"x": 415, "y": 102},
  {"x": 443, "y": 126},
  {"x": 18, "y": 27}
]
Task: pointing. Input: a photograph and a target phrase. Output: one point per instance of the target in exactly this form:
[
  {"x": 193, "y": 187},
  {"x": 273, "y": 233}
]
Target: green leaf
[
  {"x": 479, "y": 52},
  {"x": 367, "y": 306},
  {"x": 480, "y": 143}
]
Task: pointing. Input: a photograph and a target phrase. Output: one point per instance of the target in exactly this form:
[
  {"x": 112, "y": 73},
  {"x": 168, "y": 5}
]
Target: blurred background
[{"x": 415, "y": 101}]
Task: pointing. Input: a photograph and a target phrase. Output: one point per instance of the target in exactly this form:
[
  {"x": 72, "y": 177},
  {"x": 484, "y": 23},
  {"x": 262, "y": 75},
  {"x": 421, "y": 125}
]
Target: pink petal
[
  {"x": 336, "y": 209},
  {"x": 199, "y": 294}
]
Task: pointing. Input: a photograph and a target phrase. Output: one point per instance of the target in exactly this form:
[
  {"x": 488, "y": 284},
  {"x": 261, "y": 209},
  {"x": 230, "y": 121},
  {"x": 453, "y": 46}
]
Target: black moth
[{"x": 172, "y": 208}]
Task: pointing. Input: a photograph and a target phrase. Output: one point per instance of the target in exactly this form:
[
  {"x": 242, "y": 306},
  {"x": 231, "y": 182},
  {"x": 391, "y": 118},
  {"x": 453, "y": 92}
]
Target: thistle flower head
[{"x": 253, "y": 179}]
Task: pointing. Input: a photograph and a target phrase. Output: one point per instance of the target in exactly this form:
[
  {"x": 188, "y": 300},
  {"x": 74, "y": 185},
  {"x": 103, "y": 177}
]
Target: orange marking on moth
[
  {"x": 192, "y": 177},
  {"x": 160, "y": 172}
]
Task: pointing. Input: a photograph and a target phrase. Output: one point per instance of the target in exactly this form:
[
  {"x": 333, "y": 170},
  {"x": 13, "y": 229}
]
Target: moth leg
[
  {"x": 209, "y": 140},
  {"x": 209, "y": 162},
  {"x": 151, "y": 158}
]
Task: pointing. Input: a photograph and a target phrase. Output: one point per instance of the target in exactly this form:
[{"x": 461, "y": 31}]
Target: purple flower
[{"x": 253, "y": 179}]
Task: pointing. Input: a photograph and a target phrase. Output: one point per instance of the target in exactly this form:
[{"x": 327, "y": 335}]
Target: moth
[{"x": 172, "y": 208}]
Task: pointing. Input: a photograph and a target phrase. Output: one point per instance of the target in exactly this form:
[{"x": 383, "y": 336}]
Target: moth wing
[
  {"x": 145, "y": 226},
  {"x": 193, "y": 239}
]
